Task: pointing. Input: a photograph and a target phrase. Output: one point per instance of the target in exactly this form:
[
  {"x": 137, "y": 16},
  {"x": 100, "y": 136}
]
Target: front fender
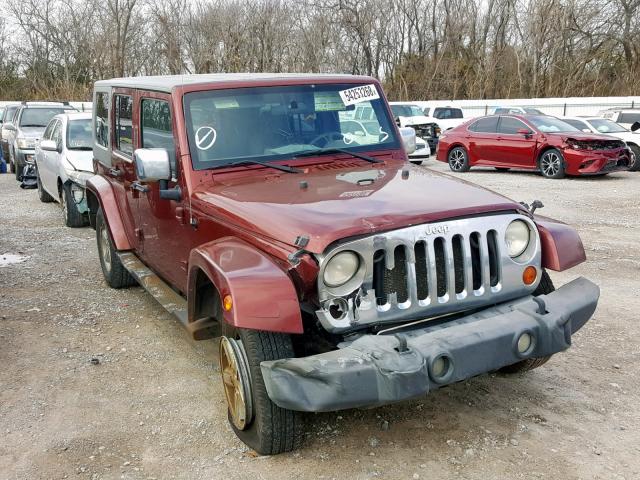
[
  {"x": 263, "y": 295},
  {"x": 561, "y": 245},
  {"x": 102, "y": 190}
]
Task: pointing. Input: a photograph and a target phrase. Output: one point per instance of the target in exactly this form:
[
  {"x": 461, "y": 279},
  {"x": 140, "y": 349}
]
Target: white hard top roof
[{"x": 165, "y": 83}]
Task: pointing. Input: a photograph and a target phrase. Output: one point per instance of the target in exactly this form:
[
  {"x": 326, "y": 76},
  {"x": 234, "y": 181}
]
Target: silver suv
[{"x": 23, "y": 134}]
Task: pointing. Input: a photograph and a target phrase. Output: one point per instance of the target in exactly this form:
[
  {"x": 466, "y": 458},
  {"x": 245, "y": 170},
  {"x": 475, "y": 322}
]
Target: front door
[
  {"x": 164, "y": 234},
  {"x": 513, "y": 148}
]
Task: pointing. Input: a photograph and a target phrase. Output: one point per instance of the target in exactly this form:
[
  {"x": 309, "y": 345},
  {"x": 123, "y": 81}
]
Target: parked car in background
[
  {"x": 7, "y": 119},
  {"x": 517, "y": 111},
  {"x": 609, "y": 127},
  {"x": 532, "y": 142},
  {"x": 411, "y": 115},
  {"x": 64, "y": 162},
  {"x": 24, "y": 133},
  {"x": 333, "y": 274},
  {"x": 623, "y": 116},
  {"x": 446, "y": 116}
]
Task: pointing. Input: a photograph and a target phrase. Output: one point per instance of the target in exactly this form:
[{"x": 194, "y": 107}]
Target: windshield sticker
[
  {"x": 206, "y": 137},
  {"x": 383, "y": 135},
  {"x": 327, "y": 102},
  {"x": 222, "y": 103},
  {"x": 359, "y": 94}
]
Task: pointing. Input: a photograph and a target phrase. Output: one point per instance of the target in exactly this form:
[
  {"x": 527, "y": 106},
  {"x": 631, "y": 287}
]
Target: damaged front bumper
[{"x": 380, "y": 369}]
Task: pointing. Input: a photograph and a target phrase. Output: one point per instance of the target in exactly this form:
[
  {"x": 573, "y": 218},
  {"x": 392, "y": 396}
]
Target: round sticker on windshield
[{"x": 206, "y": 137}]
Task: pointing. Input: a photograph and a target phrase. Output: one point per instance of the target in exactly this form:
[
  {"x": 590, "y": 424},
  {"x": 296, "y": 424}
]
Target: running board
[
  {"x": 152, "y": 283},
  {"x": 173, "y": 302}
]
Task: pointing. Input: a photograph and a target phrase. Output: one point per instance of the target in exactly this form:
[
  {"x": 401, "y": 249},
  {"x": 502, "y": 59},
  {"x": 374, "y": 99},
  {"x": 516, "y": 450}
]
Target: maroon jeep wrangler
[{"x": 259, "y": 210}]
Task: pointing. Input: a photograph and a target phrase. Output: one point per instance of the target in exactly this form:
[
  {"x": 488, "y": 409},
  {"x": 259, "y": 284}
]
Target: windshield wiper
[
  {"x": 282, "y": 168},
  {"x": 328, "y": 151}
]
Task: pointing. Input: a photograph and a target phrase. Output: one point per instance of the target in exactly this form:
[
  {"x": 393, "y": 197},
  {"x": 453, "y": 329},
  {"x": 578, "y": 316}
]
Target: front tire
[
  {"x": 552, "y": 164},
  {"x": 458, "y": 160},
  {"x": 546, "y": 286},
  {"x": 636, "y": 165},
  {"x": 114, "y": 272},
  {"x": 255, "y": 419},
  {"x": 72, "y": 217}
]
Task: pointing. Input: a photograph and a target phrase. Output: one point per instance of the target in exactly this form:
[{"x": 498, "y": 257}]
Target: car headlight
[
  {"x": 26, "y": 143},
  {"x": 517, "y": 237},
  {"x": 341, "y": 268}
]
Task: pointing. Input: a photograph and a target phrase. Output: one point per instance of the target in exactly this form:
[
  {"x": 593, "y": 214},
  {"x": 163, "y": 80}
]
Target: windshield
[
  {"x": 406, "y": 111},
  {"x": 79, "y": 135},
  {"x": 604, "y": 125},
  {"x": 8, "y": 114},
  {"x": 38, "y": 117},
  {"x": 551, "y": 124},
  {"x": 272, "y": 123}
]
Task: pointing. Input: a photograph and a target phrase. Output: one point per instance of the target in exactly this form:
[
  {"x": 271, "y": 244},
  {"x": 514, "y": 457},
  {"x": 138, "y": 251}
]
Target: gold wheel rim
[{"x": 235, "y": 382}]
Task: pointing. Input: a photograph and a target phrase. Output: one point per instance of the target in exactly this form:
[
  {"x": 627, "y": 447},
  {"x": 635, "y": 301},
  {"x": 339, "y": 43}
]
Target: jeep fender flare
[
  {"x": 100, "y": 194},
  {"x": 263, "y": 296},
  {"x": 561, "y": 245}
]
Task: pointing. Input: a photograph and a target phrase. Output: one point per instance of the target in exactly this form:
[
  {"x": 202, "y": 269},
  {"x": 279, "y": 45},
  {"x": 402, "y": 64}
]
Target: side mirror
[
  {"x": 397, "y": 119},
  {"x": 635, "y": 126},
  {"x": 408, "y": 139},
  {"x": 586, "y": 130},
  {"x": 152, "y": 164},
  {"x": 524, "y": 131},
  {"x": 49, "y": 145}
]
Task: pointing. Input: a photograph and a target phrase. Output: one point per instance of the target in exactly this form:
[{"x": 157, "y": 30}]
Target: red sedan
[{"x": 532, "y": 142}]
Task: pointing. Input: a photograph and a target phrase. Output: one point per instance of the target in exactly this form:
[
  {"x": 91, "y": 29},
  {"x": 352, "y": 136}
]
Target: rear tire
[
  {"x": 114, "y": 272},
  {"x": 266, "y": 428},
  {"x": 546, "y": 286},
  {"x": 42, "y": 193},
  {"x": 458, "y": 160},
  {"x": 551, "y": 164},
  {"x": 72, "y": 217}
]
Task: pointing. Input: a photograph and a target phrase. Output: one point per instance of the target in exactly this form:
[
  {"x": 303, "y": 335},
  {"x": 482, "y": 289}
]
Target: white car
[
  {"x": 64, "y": 162},
  {"x": 623, "y": 116},
  {"x": 445, "y": 115},
  {"x": 411, "y": 115},
  {"x": 608, "y": 127}
]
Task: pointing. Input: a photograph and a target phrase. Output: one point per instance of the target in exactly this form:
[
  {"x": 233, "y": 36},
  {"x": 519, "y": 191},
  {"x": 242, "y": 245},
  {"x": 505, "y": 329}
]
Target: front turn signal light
[
  {"x": 227, "y": 303},
  {"x": 529, "y": 275}
]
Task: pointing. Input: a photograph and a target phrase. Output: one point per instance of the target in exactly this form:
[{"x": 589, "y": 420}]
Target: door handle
[
  {"x": 114, "y": 172},
  {"x": 139, "y": 187}
]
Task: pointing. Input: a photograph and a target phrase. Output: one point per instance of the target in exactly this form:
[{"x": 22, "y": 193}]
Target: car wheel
[
  {"x": 42, "y": 193},
  {"x": 72, "y": 217},
  {"x": 551, "y": 164},
  {"x": 635, "y": 167},
  {"x": 256, "y": 420},
  {"x": 18, "y": 169},
  {"x": 114, "y": 272},
  {"x": 546, "y": 286},
  {"x": 458, "y": 159}
]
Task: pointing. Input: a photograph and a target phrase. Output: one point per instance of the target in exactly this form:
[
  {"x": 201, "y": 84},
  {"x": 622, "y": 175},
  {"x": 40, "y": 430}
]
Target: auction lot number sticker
[{"x": 360, "y": 94}]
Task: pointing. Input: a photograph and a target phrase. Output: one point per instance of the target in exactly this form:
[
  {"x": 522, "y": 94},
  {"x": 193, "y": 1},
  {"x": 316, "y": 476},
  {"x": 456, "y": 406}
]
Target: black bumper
[{"x": 373, "y": 370}]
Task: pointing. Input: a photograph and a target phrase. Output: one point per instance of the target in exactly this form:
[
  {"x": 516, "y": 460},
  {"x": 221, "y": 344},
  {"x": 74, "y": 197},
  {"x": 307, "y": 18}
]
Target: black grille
[{"x": 387, "y": 281}]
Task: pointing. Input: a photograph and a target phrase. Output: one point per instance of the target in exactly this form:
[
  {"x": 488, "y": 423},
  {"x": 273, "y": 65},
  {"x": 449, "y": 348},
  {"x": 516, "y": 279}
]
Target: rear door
[
  {"x": 165, "y": 238},
  {"x": 48, "y": 161},
  {"x": 512, "y": 148},
  {"x": 482, "y": 138}
]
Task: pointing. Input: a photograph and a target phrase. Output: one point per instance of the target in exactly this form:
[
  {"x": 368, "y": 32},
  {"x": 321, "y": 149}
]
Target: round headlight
[
  {"x": 516, "y": 237},
  {"x": 341, "y": 268}
]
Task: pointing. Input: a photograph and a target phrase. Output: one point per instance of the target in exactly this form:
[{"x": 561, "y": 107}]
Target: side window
[
  {"x": 510, "y": 125},
  {"x": 580, "y": 125},
  {"x": 440, "y": 113},
  {"x": 102, "y": 119},
  {"x": 426, "y": 111},
  {"x": 485, "y": 125},
  {"x": 49, "y": 130},
  {"x": 156, "y": 129},
  {"x": 123, "y": 112},
  {"x": 56, "y": 134}
]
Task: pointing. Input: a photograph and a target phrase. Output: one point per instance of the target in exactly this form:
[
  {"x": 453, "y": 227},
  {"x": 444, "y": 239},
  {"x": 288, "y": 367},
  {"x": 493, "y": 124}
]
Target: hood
[
  {"x": 31, "y": 132},
  {"x": 80, "y": 159},
  {"x": 342, "y": 199},
  {"x": 417, "y": 120},
  {"x": 581, "y": 136},
  {"x": 633, "y": 137}
]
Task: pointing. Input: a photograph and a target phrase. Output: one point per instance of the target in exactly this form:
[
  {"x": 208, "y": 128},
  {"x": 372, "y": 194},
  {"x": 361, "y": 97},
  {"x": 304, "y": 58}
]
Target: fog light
[
  {"x": 524, "y": 343},
  {"x": 529, "y": 275},
  {"x": 227, "y": 302},
  {"x": 440, "y": 369}
]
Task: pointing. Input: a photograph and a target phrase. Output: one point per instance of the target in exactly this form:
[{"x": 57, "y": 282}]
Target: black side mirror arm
[{"x": 166, "y": 193}]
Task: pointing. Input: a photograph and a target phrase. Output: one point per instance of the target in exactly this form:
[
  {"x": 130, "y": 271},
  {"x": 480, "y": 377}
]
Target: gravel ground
[{"x": 154, "y": 408}]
